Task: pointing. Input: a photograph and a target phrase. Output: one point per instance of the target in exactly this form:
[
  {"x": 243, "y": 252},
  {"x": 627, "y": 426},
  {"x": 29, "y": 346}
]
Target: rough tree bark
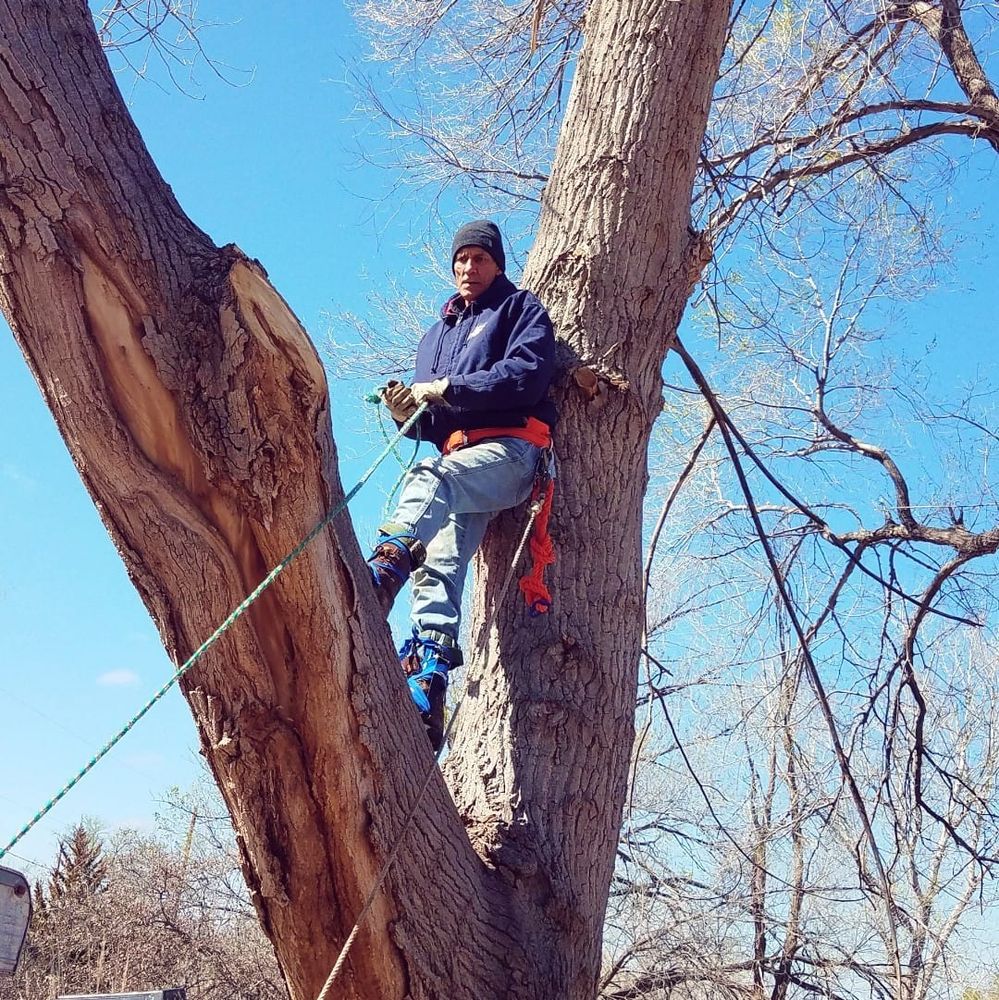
[
  {"x": 544, "y": 739},
  {"x": 197, "y": 413}
]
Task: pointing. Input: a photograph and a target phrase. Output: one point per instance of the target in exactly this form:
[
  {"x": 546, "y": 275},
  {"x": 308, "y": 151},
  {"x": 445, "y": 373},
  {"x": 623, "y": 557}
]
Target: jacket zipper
[
  {"x": 466, "y": 314},
  {"x": 439, "y": 347},
  {"x": 459, "y": 343}
]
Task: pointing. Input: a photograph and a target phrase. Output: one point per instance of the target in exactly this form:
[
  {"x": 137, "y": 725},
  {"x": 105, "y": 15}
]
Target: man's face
[{"x": 474, "y": 272}]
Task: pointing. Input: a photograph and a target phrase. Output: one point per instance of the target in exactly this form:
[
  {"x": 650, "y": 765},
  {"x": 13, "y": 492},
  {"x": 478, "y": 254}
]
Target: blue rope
[{"x": 236, "y": 614}]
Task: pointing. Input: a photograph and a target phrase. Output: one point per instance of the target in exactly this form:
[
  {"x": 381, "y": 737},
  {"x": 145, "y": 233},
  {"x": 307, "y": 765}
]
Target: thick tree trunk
[
  {"x": 541, "y": 762},
  {"x": 197, "y": 413}
]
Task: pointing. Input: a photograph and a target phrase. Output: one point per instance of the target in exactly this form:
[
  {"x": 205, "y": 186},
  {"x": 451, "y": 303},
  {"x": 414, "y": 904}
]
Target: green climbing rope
[
  {"x": 216, "y": 635},
  {"x": 404, "y": 466}
]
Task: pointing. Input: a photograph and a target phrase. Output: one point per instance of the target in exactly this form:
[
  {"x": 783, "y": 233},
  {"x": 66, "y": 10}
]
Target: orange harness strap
[
  {"x": 532, "y": 584},
  {"x": 536, "y": 431}
]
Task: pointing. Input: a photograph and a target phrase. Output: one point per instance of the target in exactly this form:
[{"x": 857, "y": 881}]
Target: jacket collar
[{"x": 501, "y": 287}]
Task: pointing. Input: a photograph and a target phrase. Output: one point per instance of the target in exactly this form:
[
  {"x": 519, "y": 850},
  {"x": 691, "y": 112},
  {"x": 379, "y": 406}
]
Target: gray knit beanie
[{"x": 481, "y": 233}]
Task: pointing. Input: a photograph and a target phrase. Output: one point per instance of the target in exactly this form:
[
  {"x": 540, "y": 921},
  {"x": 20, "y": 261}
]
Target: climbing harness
[
  {"x": 537, "y": 432},
  {"x": 216, "y": 635},
  {"x": 326, "y": 992}
]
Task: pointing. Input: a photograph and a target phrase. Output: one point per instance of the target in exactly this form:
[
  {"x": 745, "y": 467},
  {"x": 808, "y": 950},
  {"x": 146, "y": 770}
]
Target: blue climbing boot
[
  {"x": 396, "y": 555},
  {"x": 426, "y": 659}
]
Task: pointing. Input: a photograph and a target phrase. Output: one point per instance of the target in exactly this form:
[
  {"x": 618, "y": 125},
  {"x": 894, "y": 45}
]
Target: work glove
[
  {"x": 399, "y": 400},
  {"x": 430, "y": 392}
]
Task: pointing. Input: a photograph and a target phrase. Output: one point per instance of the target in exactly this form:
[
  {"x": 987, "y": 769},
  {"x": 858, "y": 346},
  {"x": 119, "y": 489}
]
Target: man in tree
[
  {"x": 484, "y": 369},
  {"x": 131, "y": 318}
]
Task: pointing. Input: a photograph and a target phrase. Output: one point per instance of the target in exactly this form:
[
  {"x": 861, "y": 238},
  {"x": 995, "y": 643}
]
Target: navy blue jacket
[{"x": 498, "y": 354}]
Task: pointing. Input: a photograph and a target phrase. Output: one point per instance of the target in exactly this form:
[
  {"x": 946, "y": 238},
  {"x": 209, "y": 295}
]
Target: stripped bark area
[{"x": 197, "y": 413}]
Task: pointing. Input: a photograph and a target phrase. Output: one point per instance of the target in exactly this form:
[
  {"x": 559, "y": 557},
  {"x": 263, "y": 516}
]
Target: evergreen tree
[{"x": 80, "y": 869}]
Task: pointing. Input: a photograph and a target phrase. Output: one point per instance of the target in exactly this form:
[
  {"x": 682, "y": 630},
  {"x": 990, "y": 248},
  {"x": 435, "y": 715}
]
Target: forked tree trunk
[{"x": 197, "y": 413}]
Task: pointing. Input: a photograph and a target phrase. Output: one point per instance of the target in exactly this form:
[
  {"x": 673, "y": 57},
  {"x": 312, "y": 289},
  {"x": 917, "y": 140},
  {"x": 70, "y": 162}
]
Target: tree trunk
[
  {"x": 541, "y": 761},
  {"x": 197, "y": 413}
]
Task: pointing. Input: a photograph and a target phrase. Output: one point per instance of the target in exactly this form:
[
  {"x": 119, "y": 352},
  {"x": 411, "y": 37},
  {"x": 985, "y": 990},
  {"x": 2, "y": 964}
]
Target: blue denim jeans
[{"x": 446, "y": 502}]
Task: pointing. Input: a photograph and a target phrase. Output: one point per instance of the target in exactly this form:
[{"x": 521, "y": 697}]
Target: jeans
[{"x": 446, "y": 502}]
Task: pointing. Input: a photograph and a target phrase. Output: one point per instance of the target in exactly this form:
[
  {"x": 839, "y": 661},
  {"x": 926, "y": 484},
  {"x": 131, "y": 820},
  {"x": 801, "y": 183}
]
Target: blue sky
[{"x": 273, "y": 166}]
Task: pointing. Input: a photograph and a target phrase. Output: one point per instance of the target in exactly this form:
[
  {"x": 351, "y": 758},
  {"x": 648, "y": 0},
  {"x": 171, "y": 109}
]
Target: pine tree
[{"x": 80, "y": 868}]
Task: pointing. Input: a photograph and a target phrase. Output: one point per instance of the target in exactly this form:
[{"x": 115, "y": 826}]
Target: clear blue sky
[{"x": 273, "y": 167}]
